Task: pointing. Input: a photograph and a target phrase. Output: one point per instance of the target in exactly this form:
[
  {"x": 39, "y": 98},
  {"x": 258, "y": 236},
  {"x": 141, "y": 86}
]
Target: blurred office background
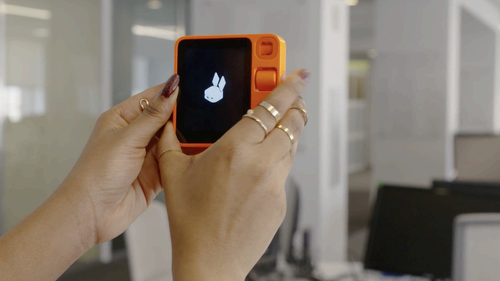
[{"x": 403, "y": 91}]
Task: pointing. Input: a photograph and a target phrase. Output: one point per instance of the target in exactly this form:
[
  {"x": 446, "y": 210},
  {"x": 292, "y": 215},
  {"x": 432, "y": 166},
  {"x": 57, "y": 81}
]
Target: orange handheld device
[{"x": 221, "y": 77}]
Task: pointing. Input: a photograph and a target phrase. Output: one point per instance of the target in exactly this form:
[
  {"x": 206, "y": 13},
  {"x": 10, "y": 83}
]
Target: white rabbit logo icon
[{"x": 215, "y": 93}]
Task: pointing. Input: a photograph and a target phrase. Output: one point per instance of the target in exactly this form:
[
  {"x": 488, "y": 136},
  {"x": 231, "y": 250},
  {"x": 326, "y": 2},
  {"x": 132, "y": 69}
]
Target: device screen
[{"x": 215, "y": 81}]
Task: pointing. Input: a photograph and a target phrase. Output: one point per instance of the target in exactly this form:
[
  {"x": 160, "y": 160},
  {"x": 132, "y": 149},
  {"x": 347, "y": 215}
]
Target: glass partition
[
  {"x": 50, "y": 97},
  {"x": 62, "y": 63}
]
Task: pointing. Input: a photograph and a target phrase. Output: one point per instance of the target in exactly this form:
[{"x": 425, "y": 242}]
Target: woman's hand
[
  {"x": 226, "y": 204},
  {"x": 117, "y": 173}
]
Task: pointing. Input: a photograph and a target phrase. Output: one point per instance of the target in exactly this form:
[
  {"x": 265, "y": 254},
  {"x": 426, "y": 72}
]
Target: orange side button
[{"x": 265, "y": 79}]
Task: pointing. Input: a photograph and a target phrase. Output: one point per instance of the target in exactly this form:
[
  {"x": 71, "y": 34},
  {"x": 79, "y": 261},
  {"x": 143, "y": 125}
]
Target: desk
[
  {"x": 340, "y": 271},
  {"x": 353, "y": 271}
]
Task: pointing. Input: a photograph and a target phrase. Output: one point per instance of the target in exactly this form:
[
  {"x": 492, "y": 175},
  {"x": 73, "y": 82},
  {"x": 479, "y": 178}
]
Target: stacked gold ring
[
  {"x": 262, "y": 125},
  {"x": 269, "y": 107},
  {"x": 303, "y": 111},
  {"x": 288, "y": 132}
]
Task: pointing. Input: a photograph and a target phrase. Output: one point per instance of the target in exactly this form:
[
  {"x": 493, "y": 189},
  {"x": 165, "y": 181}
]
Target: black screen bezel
[{"x": 210, "y": 136}]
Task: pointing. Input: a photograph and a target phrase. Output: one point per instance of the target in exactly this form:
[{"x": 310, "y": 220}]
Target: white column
[
  {"x": 481, "y": 22},
  {"x": 425, "y": 89},
  {"x": 316, "y": 33},
  {"x": 478, "y": 67},
  {"x": 106, "y": 75}
]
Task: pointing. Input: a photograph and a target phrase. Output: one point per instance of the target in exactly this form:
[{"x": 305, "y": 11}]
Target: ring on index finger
[{"x": 269, "y": 107}]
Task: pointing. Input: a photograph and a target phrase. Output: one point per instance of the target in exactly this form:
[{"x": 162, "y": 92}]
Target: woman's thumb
[
  {"x": 155, "y": 115},
  {"x": 168, "y": 147}
]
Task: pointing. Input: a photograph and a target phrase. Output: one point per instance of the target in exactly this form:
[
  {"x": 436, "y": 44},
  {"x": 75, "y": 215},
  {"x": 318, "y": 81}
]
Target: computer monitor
[
  {"x": 412, "y": 229},
  {"x": 468, "y": 187}
]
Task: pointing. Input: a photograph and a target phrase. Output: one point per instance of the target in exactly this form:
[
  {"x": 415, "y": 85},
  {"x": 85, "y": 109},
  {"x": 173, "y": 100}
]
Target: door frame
[
  {"x": 106, "y": 72},
  {"x": 3, "y": 106}
]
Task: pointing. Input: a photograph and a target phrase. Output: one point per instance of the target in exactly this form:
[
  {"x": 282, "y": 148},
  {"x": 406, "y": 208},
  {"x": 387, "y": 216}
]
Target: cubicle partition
[{"x": 477, "y": 157}]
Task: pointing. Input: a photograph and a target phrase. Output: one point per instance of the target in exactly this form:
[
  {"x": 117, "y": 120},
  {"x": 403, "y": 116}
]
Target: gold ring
[
  {"x": 251, "y": 116},
  {"x": 168, "y": 150},
  {"x": 269, "y": 107},
  {"x": 287, "y": 131},
  {"x": 142, "y": 102},
  {"x": 303, "y": 111}
]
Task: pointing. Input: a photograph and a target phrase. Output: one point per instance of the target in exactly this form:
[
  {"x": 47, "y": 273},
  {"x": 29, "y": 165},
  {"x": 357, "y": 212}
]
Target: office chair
[
  {"x": 282, "y": 242},
  {"x": 149, "y": 248},
  {"x": 288, "y": 228},
  {"x": 302, "y": 266},
  {"x": 476, "y": 247}
]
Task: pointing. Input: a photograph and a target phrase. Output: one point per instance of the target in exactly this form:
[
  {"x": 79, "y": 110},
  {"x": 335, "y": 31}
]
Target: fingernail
[
  {"x": 170, "y": 86},
  {"x": 304, "y": 74}
]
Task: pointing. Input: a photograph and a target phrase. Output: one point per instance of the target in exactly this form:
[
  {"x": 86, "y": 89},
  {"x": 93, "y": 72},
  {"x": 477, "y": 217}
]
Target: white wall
[{"x": 316, "y": 33}]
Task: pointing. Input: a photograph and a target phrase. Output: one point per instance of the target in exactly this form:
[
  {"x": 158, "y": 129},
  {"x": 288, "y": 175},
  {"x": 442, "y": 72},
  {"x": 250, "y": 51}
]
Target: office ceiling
[{"x": 362, "y": 26}]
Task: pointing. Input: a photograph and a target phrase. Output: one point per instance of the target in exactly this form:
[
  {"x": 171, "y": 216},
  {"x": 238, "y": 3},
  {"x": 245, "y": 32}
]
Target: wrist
[
  {"x": 197, "y": 273},
  {"x": 59, "y": 229},
  {"x": 80, "y": 210},
  {"x": 185, "y": 269}
]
